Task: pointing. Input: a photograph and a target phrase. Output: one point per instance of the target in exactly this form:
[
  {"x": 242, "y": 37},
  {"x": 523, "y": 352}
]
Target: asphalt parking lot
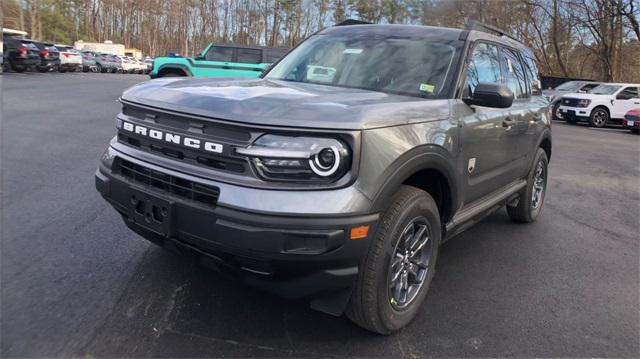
[{"x": 76, "y": 282}]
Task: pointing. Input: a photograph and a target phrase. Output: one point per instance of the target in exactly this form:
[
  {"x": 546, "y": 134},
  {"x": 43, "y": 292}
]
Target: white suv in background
[{"x": 604, "y": 104}]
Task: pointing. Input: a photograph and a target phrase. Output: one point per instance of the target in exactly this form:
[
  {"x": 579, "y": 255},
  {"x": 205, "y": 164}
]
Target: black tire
[
  {"x": 636, "y": 131},
  {"x": 62, "y": 69},
  {"x": 555, "y": 111},
  {"x": 527, "y": 210},
  {"x": 42, "y": 69},
  {"x": 372, "y": 306},
  {"x": 99, "y": 68},
  {"x": 599, "y": 117},
  {"x": 171, "y": 74}
]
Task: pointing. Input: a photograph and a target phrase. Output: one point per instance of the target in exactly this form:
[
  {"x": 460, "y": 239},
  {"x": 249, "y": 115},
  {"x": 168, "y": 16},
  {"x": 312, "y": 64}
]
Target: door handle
[{"x": 508, "y": 122}]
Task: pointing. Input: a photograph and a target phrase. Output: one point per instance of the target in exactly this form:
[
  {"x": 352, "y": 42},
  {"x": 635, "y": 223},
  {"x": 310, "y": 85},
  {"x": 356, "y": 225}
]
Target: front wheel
[
  {"x": 599, "y": 117},
  {"x": 395, "y": 274},
  {"x": 532, "y": 196}
]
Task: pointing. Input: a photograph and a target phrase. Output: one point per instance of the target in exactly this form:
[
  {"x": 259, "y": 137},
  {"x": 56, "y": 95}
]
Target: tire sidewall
[
  {"x": 420, "y": 206},
  {"x": 535, "y": 212}
]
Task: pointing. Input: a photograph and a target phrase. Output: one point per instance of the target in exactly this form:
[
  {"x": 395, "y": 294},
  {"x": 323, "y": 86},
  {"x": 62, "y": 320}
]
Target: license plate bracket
[{"x": 151, "y": 212}]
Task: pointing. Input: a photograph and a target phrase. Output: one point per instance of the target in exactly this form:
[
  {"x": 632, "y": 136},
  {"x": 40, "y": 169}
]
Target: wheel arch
[
  {"x": 174, "y": 68},
  {"x": 429, "y": 168}
]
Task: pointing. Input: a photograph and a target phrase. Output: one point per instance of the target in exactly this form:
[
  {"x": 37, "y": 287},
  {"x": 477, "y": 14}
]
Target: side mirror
[{"x": 491, "y": 95}]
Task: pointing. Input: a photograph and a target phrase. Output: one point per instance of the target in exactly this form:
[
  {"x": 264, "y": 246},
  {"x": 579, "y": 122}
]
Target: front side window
[
  {"x": 484, "y": 66},
  {"x": 514, "y": 74},
  {"x": 249, "y": 56},
  {"x": 605, "y": 90},
  {"x": 404, "y": 65},
  {"x": 220, "y": 53},
  {"x": 628, "y": 93}
]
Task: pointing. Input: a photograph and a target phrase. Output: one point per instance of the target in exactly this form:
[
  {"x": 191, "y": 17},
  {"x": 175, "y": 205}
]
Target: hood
[
  {"x": 587, "y": 96},
  {"x": 283, "y": 103}
]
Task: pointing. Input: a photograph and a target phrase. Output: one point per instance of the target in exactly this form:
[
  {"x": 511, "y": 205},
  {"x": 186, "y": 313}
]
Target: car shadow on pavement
[{"x": 175, "y": 308}]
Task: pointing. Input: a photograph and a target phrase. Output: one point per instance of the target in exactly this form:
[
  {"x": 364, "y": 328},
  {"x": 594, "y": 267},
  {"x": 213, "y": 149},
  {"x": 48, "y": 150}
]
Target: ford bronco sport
[{"x": 336, "y": 176}]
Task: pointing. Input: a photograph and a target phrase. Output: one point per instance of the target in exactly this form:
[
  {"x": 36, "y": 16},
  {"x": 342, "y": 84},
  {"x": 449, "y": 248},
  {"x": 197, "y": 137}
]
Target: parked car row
[
  {"x": 22, "y": 55},
  {"x": 598, "y": 104}
]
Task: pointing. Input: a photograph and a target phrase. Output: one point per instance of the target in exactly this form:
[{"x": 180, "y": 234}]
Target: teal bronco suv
[{"x": 219, "y": 60}]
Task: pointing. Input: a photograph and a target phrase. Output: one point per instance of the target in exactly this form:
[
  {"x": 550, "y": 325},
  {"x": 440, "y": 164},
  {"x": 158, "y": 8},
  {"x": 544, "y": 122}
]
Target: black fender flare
[
  {"x": 181, "y": 67},
  {"x": 545, "y": 135},
  {"x": 427, "y": 157}
]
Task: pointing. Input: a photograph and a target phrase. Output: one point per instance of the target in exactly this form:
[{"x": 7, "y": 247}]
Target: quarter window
[
  {"x": 223, "y": 54},
  {"x": 484, "y": 66},
  {"x": 514, "y": 76}
]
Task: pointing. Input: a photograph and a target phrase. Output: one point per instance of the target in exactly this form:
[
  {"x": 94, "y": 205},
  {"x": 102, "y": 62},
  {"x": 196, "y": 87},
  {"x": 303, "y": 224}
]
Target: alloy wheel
[
  {"x": 539, "y": 184},
  {"x": 410, "y": 263}
]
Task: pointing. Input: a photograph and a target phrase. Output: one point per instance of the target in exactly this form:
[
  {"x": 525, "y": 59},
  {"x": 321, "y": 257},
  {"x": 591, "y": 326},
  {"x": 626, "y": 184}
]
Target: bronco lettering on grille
[{"x": 172, "y": 138}]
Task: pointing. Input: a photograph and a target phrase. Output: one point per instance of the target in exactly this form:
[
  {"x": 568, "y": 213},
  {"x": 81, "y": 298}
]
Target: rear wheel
[
  {"x": 532, "y": 196},
  {"x": 42, "y": 69},
  {"x": 396, "y": 272},
  {"x": 99, "y": 68},
  {"x": 636, "y": 131},
  {"x": 599, "y": 117}
]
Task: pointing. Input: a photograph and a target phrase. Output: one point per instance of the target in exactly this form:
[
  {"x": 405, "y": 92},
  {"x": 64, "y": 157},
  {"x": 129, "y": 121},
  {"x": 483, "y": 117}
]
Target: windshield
[
  {"x": 569, "y": 86},
  {"x": 393, "y": 64},
  {"x": 605, "y": 90}
]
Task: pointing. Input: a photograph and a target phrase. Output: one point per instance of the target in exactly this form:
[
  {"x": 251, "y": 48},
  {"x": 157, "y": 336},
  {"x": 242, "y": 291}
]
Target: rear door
[
  {"x": 488, "y": 135},
  {"x": 626, "y": 100},
  {"x": 526, "y": 110}
]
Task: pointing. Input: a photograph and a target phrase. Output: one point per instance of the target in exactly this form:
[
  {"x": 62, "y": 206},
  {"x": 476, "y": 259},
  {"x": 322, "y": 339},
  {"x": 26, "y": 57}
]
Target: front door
[
  {"x": 489, "y": 136},
  {"x": 626, "y": 100}
]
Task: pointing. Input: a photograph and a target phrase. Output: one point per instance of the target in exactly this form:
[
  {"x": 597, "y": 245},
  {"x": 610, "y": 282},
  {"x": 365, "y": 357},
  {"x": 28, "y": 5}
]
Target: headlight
[
  {"x": 306, "y": 159},
  {"x": 583, "y": 103}
]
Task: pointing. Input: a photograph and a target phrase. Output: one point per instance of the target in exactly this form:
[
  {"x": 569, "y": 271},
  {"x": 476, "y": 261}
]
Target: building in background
[
  {"x": 133, "y": 53},
  {"x": 106, "y": 47}
]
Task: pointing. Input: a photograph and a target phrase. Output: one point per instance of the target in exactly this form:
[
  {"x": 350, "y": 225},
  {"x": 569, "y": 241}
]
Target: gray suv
[{"x": 336, "y": 176}]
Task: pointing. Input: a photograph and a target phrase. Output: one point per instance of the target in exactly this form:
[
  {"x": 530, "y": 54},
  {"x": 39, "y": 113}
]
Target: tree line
[{"x": 594, "y": 39}]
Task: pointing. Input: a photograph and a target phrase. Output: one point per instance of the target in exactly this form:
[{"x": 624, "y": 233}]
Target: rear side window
[
  {"x": 484, "y": 66},
  {"x": 535, "y": 87},
  {"x": 223, "y": 54},
  {"x": 513, "y": 72},
  {"x": 249, "y": 56}
]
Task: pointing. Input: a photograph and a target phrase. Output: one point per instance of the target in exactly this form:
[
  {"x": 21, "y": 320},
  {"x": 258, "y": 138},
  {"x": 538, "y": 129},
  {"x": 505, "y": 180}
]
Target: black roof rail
[
  {"x": 348, "y": 22},
  {"x": 477, "y": 25}
]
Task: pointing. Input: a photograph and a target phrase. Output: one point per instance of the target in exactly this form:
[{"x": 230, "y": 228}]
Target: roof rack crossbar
[
  {"x": 349, "y": 22},
  {"x": 477, "y": 25}
]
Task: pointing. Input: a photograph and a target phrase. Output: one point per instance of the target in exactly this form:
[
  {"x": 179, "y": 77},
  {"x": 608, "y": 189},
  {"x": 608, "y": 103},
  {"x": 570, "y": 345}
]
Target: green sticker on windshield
[{"x": 427, "y": 88}]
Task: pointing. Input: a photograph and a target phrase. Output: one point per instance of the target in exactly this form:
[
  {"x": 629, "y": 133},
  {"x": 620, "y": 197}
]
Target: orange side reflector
[{"x": 359, "y": 232}]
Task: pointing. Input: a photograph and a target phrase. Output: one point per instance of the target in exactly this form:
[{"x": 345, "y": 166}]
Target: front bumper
[
  {"x": 292, "y": 256},
  {"x": 574, "y": 113}
]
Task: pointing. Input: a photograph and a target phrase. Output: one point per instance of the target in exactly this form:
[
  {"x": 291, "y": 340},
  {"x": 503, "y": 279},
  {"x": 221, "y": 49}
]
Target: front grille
[
  {"x": 175, "y": 185},
  {"x": 632, "y": 118},
  {"x": 184, "y": 154},
  {"x": 573, "y": 102}
]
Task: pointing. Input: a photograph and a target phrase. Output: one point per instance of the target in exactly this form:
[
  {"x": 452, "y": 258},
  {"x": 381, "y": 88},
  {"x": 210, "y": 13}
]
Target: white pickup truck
[{"x": 607, "y": 103}]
